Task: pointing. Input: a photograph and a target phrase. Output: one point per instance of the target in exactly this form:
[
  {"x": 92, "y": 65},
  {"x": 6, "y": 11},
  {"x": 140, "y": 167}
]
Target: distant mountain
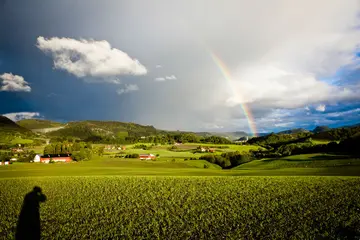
[
  {"x": 291, "y": 131},
  {"x": 320, "y": 129},
  {"x": 228, "y": 135},
  {"x": 38, "y": 124}
]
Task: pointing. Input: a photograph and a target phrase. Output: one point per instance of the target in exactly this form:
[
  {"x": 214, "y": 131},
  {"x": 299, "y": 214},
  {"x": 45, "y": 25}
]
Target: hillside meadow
[{"x": 299, "y": 165}]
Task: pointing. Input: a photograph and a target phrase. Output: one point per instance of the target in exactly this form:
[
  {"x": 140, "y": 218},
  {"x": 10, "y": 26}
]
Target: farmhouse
[
  {"x": 37, "y": 157},
  {"x": 212, "y": 150},
  {"x": 55, "y": 157},
  {"x": 147, "y": 156},
  {"x": 17, "y": 150}
]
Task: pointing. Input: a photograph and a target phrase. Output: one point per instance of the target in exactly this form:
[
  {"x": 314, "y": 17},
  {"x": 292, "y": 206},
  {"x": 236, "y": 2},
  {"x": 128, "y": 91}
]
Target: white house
[{"x": 37, "y": 158}]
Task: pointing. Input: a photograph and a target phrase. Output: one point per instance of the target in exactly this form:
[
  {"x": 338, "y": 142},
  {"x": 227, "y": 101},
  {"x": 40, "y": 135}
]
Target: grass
[
  {"x": 304, "y": 161},
  {"x": 318, "y": 141},
  {"x": 21, "y": 141},
  {"x": 100, "y": 166},
  {"x": 113, "y": 207},
  {"x": 185, "y": 150}
]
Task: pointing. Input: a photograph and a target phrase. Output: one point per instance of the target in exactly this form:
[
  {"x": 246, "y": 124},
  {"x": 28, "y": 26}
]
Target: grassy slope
[
  {"x": 135, "y": 167},
  {"x": 311, "y": 163},
  {"x": 38, "y": 123},
  {"x": 164, "y": 152},
  {"x": 10, "y": 131}
]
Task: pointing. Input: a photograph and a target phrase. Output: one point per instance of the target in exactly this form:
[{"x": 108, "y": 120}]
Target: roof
[{"x": 55, "y": 155}]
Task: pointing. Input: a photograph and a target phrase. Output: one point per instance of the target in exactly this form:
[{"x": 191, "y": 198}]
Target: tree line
[{"x": 79, "y": 151}]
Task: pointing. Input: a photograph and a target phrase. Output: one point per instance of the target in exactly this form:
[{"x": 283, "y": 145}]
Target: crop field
[{"x": 109, "y": 207}]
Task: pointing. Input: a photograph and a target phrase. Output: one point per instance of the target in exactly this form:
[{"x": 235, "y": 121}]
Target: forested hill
[
  {"x": 38, "y": 124},
  {"x": 97, "y": 130},
  {"x": 8, "y": 125},
  {"x": 228, "y": 135},
  {"x": 294, "y": 136},
  {"x": 296, "y": 130},
  {"x": 10, "y": 130}
]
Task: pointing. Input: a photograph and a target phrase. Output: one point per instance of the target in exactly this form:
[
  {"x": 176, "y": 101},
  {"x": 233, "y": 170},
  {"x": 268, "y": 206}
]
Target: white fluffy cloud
[
  {"x": 321, "y": 108},
  {"x": 277, "y": 87},
  {"x": 162, "y": 79},
  {"x": 90, "y": 58},
  {"x": 128, "y": 88},
  {"x": 21, "y": 115},
  {"x": 13, "y": 83},
  {"x": 171, "y": 77}
]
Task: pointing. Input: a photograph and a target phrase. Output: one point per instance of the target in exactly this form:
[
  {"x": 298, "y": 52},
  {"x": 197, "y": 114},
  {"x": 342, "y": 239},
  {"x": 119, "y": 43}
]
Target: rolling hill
[
  {"x": 9, "y": 130},
  {"x": 34, "y": 124},
  {"x": 102, "y": 129},
  {"x": 7, "y": 125},
  {"x": 228, "y": 135},
  {"x": 292, "y": 131}
]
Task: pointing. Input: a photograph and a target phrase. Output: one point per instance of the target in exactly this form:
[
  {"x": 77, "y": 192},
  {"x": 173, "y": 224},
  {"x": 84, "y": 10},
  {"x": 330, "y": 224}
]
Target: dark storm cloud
[{"x": 275, "y": 55}]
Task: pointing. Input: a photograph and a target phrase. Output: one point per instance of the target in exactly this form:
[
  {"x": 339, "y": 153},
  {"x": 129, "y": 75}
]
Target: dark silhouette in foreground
[{"x": 28, "y": 226}]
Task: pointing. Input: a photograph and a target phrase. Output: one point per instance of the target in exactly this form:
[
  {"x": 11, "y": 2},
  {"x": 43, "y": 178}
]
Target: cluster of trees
[
  {"x": 276, "y": 140},
  {"x": 170, "y": 138},
  {"x": 133, "y": 155},
  {"x": 338, "y": 134},
  {"x": 79, "y": 150},
  {"x": 142, "y": 146},
  {"x": 347, "y": 146},
  {"x": 5, "y": 156},
  {"x": 25, "y": 156},
  {"x": 228, "y": 160}
]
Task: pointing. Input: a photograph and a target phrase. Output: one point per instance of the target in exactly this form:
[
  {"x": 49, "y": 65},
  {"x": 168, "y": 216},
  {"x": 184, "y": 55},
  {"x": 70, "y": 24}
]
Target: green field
[
  {"x": 295, "y": 197},
  {"x": 21, "y": 141},
  {"x": 298, "y": 165},
  {"x": 184, "y": 151},
  {"x": 187, "y": 207}
]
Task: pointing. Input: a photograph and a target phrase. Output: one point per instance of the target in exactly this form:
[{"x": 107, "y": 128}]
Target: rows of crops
[{"x": 187, "y": 207}]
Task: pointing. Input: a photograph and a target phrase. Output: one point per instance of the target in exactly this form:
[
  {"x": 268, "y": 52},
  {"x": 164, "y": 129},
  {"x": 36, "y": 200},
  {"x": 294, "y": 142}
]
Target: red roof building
[
  {"x": 147, "y": 156},
  {"x": 56, "y": 158}
]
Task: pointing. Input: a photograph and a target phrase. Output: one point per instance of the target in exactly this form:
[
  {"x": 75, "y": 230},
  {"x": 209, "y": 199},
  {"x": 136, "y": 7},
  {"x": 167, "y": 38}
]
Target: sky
[{"x": 197, "y": 65}]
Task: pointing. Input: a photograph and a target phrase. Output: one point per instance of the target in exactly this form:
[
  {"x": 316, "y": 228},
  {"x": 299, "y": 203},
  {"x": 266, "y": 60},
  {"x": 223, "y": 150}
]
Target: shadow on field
[
  {"x": 28, "y": 226},
  {"x": 330, "y": 157}
]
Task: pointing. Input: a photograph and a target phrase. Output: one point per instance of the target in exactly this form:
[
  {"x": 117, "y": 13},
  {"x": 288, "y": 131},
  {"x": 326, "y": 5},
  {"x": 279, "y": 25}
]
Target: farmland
[
  {"x": 304, "y": 196},
  {"x": 187, "y": 207}
]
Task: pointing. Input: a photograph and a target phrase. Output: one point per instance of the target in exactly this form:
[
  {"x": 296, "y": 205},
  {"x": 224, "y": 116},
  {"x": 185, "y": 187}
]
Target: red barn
[
  {"x": 147, "y": 156},
  {"x": 56, "y": 158}
]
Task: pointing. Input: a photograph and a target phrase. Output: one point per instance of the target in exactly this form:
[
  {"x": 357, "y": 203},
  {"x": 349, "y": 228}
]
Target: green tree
[
  {"x": 49, "y": 149},
  {"x": 100, "y": 150}
]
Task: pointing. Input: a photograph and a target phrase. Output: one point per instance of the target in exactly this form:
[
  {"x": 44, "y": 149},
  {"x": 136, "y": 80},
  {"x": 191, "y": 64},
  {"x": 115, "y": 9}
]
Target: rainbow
[{"x": 227, "y": 75}]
